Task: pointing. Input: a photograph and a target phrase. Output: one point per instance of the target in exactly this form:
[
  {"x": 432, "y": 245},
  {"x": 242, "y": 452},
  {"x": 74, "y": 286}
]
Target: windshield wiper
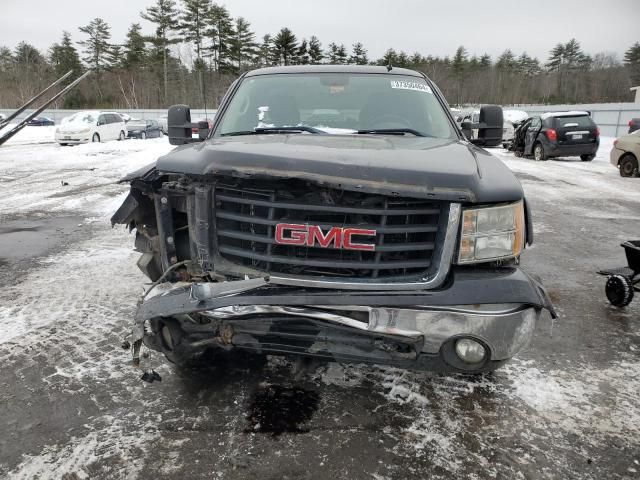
[
  {"x": 391, "y": 131},
  {"x": 276, "y": 130}
]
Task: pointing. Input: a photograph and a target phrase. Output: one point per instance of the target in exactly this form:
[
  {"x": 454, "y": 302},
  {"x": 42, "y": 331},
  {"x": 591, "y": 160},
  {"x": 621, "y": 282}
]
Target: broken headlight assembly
[{"x": 491, "y": 233}]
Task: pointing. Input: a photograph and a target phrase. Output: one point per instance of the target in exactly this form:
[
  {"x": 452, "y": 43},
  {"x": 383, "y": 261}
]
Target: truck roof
[{"x": 293, "y": 69}]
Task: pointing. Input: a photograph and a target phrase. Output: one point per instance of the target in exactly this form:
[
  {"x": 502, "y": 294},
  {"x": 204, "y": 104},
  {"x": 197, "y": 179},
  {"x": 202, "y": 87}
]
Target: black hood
[{"x": 419, "y": 167}]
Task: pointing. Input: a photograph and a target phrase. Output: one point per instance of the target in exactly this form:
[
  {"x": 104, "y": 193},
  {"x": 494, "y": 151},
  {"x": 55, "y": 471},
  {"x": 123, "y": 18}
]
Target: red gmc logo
[{"x": 310, "y": 235}]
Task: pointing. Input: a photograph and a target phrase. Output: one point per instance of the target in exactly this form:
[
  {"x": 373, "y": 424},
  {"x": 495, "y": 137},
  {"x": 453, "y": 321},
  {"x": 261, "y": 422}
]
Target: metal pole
[
  {"x": 26, "y": 105},
  {"x": 24, "y": 122}
]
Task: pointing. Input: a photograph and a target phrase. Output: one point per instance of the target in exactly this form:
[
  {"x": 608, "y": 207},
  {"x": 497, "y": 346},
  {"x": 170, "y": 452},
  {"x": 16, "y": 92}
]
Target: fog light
[{"x": 470, "y": 351}]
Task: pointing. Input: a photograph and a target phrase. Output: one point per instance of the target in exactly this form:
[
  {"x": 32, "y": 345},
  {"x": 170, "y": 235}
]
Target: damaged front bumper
[{"x": 496, "y": 307}]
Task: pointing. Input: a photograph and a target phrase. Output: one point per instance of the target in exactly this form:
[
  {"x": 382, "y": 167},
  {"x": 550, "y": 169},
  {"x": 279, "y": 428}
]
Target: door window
[{"x": 535, "y": 123}]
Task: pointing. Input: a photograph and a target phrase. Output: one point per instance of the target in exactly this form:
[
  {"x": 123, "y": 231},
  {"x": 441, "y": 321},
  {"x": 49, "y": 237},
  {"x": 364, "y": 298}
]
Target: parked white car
[{"x": 91, "y": 126}]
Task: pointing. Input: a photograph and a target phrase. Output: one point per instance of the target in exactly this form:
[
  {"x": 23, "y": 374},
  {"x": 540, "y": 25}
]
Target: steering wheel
[{"x": 390, "y": 120}]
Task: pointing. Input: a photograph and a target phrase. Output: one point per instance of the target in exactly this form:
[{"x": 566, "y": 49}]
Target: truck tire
[
  {"x": 538, "y": 152},
  {"x": 619, "y": 290},
  {"x": 587, "y": 157},
  {"x": 628, "y": 165}
]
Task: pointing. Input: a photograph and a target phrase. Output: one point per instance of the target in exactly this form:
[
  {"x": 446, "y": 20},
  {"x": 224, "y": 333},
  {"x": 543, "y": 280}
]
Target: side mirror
[
  {"x": 179, "y": 125},
  {"x": 490, "y": 126},
  {"x": 101, "y": 122},
  {"x": 203, "y": 130}
]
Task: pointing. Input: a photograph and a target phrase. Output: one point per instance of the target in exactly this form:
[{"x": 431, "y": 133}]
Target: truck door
[{"x": 532, "y": 134}]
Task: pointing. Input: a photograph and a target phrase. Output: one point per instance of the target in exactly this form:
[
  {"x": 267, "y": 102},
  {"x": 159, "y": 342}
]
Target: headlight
[
  {"x": 85, "y": 130},
  {"x": 491, "y": 233}
]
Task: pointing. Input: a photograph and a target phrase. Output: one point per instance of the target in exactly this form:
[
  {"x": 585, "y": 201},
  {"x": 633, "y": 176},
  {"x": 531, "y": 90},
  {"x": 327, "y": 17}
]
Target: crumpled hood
[{"x": 414, "y": 166}]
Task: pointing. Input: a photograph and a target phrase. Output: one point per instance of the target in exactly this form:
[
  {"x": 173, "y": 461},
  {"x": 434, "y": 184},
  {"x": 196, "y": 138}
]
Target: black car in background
[
  {"x": 558, "y": 134},
  {"x": 143, "y": 129},
  {"x": 41, "y": 122},
  {"x": 634, "y": 124}
]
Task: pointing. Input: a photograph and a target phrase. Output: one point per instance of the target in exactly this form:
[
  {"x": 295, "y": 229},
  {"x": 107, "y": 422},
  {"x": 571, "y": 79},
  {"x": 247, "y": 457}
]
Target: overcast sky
[{"x": 430, "y": 27}]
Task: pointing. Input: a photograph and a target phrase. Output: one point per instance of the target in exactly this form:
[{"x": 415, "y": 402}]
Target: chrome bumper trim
[{"x": 505, "y": 330}]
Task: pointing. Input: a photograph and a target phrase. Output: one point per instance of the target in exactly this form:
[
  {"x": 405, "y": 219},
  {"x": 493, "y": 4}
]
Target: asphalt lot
[{"x": 73, "y": 407}]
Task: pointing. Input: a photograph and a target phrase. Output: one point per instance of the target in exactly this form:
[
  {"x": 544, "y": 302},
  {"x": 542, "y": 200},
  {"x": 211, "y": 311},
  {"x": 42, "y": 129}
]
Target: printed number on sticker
[{"x": 403, "y": 85}]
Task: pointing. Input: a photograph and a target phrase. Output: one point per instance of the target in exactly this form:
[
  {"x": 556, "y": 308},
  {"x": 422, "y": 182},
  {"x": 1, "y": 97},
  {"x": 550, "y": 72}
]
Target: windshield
[
  {"x": 575, "y": 121},
  {"x": 81, "y": 117},
  {"x": 336, "y": 103}
]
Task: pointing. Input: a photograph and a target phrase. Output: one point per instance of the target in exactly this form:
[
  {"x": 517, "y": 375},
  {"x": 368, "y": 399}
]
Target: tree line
[{"x": 196, "y": 49}]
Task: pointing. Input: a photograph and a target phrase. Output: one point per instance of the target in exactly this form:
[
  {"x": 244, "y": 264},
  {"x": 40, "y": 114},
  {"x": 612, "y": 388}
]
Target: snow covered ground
[{"x": 72, "y": 406}]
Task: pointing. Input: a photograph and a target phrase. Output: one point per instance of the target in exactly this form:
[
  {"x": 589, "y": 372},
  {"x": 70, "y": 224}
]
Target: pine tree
[
  {"x": 135, "y": 50},
  {"x": 332, "y": 54},
  {"x": 192, "y": 25},
  {"x": 390, "y": 57},
  {"x": 556, "y": 57},
  {"x": 459, "y": 62},
  {"x": 632, "y": 62},
  {"x": 266, "y": 56},
  {"x": 315, "y": 51},
  {"x": 342, "y": 57},
  {"x": 358, "y": 55},
  {"x": 243, "y": 46},
  {"x": 632, "y": 55},
  {"x": 527, "y": 65},
  {"x": 302, "y": 52},
  {"x": 403, "y": 60},
  {"x": 97, "y": 48},
  {"x": 6, "y": 59},
  {"x": 220, "y": 32},
  {"x": 485, "y": 61},
  {"x": 417, "y": 59},
  {"x": 165, "y": 17},
  {"x": 285, "y": 45},
  {"x": 506, "y": 61},
  {"x": 64, "y": 57}
]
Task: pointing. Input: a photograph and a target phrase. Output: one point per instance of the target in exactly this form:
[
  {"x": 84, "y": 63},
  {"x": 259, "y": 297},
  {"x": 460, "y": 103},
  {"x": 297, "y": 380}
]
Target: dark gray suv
[{"x": 560, "y": 134}]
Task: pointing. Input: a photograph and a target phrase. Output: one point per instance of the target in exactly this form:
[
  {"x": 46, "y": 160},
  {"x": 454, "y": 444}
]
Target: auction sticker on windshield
[{"x": 403, "y": 85}]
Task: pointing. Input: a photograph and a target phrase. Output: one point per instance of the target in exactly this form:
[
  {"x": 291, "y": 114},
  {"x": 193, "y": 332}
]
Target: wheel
[
  {"x": 519, "y": 153},
  {"x": 122, "y": 136},
  {"x": 628, "y": 165},
  {"x": 588, "y": 157},
  {"x": 538, "y": 152},
  {"x": 95, "y": 138},
  {"x": 143, "y": 136},
  {"x": 619, "y": 290}
]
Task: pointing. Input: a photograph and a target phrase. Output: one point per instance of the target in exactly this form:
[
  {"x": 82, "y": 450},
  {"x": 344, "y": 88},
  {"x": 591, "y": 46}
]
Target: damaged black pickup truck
[{"x": 333, "y": 212}]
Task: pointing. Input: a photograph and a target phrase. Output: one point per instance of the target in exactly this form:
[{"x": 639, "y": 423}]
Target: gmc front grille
[{"x": 406, "y": 245}]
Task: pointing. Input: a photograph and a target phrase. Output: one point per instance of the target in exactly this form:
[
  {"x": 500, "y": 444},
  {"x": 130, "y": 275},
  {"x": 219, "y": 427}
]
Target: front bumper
[
  {"x": 73, "y": 138},
  {"x": 413, "y": 329}
]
